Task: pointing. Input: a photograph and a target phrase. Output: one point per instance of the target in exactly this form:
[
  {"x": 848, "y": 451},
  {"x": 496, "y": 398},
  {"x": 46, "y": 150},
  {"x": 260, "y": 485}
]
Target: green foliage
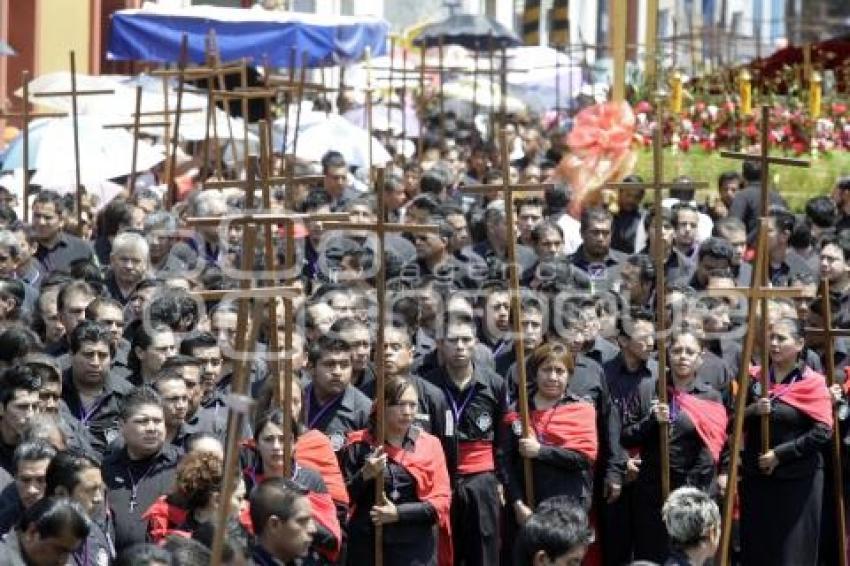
[{"x": 796, "y": 184}]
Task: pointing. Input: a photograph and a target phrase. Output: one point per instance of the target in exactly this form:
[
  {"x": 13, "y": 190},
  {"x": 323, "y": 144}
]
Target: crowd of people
[{"x": 118, "y": 378}]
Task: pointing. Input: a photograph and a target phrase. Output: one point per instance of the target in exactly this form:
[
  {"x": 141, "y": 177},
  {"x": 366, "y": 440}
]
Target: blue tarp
[{"x": 155, "y": 34}]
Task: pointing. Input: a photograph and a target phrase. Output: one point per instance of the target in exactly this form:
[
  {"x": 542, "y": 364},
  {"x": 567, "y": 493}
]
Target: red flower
[
  {"x": 839, "y": 108},
  {"x": 643, "y": 107},
  {"x": 729, "y": 106},
  {"x": 798, "y": 147},
  {"x": 708, "y": 145},
  {"x": 685, "y": 144}
]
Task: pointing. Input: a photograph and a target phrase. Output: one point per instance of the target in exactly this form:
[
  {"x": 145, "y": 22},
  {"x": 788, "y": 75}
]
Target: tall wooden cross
[
  {"x": 380, "y": 227},
  {"x": 753, "y": 294},
  {"x": 508, "y": 192},
  {"x": 765, "y": 160},
  {"x": 830, "y": 334},
  {"x": 658, "y": 186},
  {"x": 26, "y": 117},
  {"x": 75, "y": 93},
  {"x": 618, "y": 14}
]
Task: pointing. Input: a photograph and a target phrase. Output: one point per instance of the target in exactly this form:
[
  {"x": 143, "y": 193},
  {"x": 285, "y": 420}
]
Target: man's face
[
  {"x": 129, "y": 264},
  {"x": 90, "y": 364},
  {"x": 641, "y": 341},
  {"x": 460, "y": 238},
  {"x": 630, "y": 283},
  {"x": 192, "y": 378},
  {"x": 223, "y": 325},
  {"x": 49, "y": 396},
  {"x": 54, "y": 330},
  {"x": 211, "y": 366},
  {"x": 478, "y": 162},
  {"x": 596, "y": 237},
  {"x": 332, "y": 373},
  {"x": 738, "y": 240},
  {"x": 112, "y": 317},
  {"x": 175, "y": 401},
  {"x": 398, "y": 354},
  {"x": 8, "y": 263},
  {"x": 89, "y": 490},
  {"x": 160, "y": 349},
  {"x": 629, "y": 199},
  {"x": 458, "y": 346},
  {"x": 529, "y": 217},
  {"x": 394, "y": 197},
  {"x": 323, "y": 316},
  {"x": 549, "y": 246},
  {"x": 293, "y": 537},
  {"x": 144, "y": 430},
  {"x": 728, "y": 190},
  {"x": 30, "y": 481},
  {"x": 532, "y": 328},
  {"x": 497, "y": 315},
  {"x": 46, "y": 221},
  {"x": 336, "y": 179},
  {"x": 832, "y": 263},
  {"x": 48, "y": 551},
  {"x": 359, "y": 341},
  {"x": 686, "y": 228},
  {"x": 19, "y": 410},
  {"x": 411, "y": 182},
  {"x": 74, "y": 310},
  {"x": 428, "y": 246},
  {"x": 708, "y": 264}
]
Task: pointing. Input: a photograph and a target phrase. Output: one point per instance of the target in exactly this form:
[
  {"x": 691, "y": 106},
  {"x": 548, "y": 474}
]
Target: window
[{"x": 307, "y": 6}]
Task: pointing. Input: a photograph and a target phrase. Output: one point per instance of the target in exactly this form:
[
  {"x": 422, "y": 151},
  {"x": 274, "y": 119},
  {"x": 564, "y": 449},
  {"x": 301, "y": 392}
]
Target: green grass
[{"x": 796, "y": 184}]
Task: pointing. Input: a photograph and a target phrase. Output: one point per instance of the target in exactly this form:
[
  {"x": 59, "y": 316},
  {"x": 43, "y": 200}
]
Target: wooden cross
[
  {"x": 27, "y": 117},
  {"x": 508, "y": 190},
  {"x": 74, "y": 93},
  {"x": 618, "y": 46},
  {"x": 381, "y": 228},
  {"x": 830, "y": 334},
  {"x": 658, "y": 186},
  {"x": 753, "y": 293}
]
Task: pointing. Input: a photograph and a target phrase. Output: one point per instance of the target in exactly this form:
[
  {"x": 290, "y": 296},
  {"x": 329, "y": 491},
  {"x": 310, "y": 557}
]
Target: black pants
[
  {"x": 618, "y": 527},
  {"x": 476, "y": 509}
]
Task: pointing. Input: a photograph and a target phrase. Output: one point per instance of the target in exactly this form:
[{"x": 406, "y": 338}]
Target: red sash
[
  {"x": 569, "y": 425},
  {"x": 474, "y": 457},
  {"x": 808, "y": 394},
  {"x": 162, "y": 518},
  {"x": 426, "y": 463},
  {"x": 709, "y": 418},
  {"x": 313, "y": 450}
]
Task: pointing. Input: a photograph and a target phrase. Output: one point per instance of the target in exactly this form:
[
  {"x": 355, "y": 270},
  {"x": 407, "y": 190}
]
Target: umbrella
[
  {"x": 468, "y": 30},
  {"x": 536, "y": 84},
  {"x": 104, "y": 153},
  {"x": 357, "y": 116},
  {"x": 319, "y": 133},
  {"x": 458, "y": 97}
]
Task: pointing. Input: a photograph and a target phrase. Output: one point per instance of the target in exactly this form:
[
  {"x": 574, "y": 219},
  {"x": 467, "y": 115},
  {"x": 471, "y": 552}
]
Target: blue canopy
[{"x": 155, "y": 33}]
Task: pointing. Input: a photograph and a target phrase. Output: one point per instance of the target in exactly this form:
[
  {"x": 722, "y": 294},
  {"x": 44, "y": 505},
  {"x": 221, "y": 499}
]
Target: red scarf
[
  {"x": 808, "y": 394},
  {"x": 568, "y": 425},
  {"x": 313, "y": 450},
  {"x": 709, "y": 418},
  {"x": 426, "y": 463}
]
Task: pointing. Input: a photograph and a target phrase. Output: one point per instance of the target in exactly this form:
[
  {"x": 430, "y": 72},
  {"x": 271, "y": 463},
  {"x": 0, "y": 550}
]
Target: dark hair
[
  {"x": 679, "y": 207},
  {"x": 89, "y": 331},
  {"x": 626, "y": 324},
  {"x": 557, "y": 199},
  {"x": 727, "y": 177},
  {"x": 201, "y": 340},
  {"x": 274, "y": 497},
  {"x": 50, "y": 197},
  {"x": 645, "y": 265},
  {"x": 142, "y": 336},
  {"x": 179, "y": 361},
  {"x": 65, "y": 469},
  {"x": 394, "y": 388},
  {"x": 556, "y": 528},
  {"x": 683, "y": 188},
  {"x": 17, "y": 378},
  {"x": 594, "y": 214},
  {"x": 728, "y": 224},
  {"x": 16, "y": 342},
  {"x": 275, "y": 417},
  {"x": 73, "y": 286},
  {"x": 316, "y": 198},
  {"x": 143, "y": 554},
  {"x": 841, "y": 241},
  {"x": 99, "y": 303},
  {"x": 326, "y": 344},
  {"x": 186, "y": 552},
  {"x": 544, "y": 227},
  {"x": 176, "y": 309},
  {"x": 666, "y": 219},
  {"x": 332, "y": 160},
  {"x": 113, "y": 217},
  {"x": 54, "y": 516},
  {"x": 716, "y": 248},
  {"x": 13, "y": 288},
  {"x": 426, "y": 202},
  {"x": 751, "y": 171},
  {"x": 138, "y": 397},
  {"x": 31, "y": 451},
  {"x": 783, "y": 219},
  {"x": 432, "y": 183},
  {"x": 821, "y": 211}
]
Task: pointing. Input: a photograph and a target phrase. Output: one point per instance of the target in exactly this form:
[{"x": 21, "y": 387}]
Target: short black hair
[
  {"x": 716, "y": 248},
  {"x": 595, "y": 214},
  {"x": 54, "y": 516},
  {"x": 645, "y": 265},
  {"x": 274, "y": 496},
  {"x": 16, "y": 378},
  {"x": 728, "y": 176},
  {"x": 138, "y": 397},
  {"x": 50, "y": 197},
  {"x": 326, "y": 344},
  {"x": 821, "y": 211},
  {"x": 143, "y": 553},
  {"x": 65, "y": 469},
  {"x": 32, "y": 451},
  {"x": 751, "y": 170},
  {"x": 201, "y": 340},
  {"x": 556, "y": 528},
  {"x": 180, "y": 360},
  {"x": 332, "y": 160},
  {"x": 89, "y": 331}
]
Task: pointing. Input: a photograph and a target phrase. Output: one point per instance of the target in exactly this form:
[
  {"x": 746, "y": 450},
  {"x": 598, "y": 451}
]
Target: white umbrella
[
  {"x": 319, "y": 133},
  {"x": 357, "y": 116},
  {"x": 104, "y": 153},
  {"x": 458, "y": 96}
]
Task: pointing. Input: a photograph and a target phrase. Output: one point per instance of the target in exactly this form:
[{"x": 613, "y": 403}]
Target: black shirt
[
  {"x": 603, "y": 274},
  {"x": 147, "y": 479},
  {"x": 747, "y": 206},
  {"x": 336, "y": 418},
  {"x": 101, "y": 416},
  {"x": 624, "y": 230}
]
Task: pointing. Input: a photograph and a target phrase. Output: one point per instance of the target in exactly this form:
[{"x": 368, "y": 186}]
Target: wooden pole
[
  {"x": 475, "y": 84},
  {"x": 404, "y": 100},
  {"x": 76, "y": 126},
  {"x": 423, "y": 111},
  {"x": 441, "y": 96},
  {"x": 651, "y": 41},
  {"x": 175, "y": 141},
  {"x": 390, "y": 88},
  {"x": 618, "y": 43},
  {"x": 368, "y": 110},
  {"x": 131, "y": 185},
  {"x": 25, "y": 78},
  {"x": 380, "y": 379}
]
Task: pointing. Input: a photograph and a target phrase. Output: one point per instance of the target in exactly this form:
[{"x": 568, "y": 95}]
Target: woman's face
[
  {"x": 270, "y": 446},
  {"x": 401, "y": 413},
  {"x": 685, "y": 356},
  {"x": 784, "y": 346},
  {"x": 552, "y": 378}
]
